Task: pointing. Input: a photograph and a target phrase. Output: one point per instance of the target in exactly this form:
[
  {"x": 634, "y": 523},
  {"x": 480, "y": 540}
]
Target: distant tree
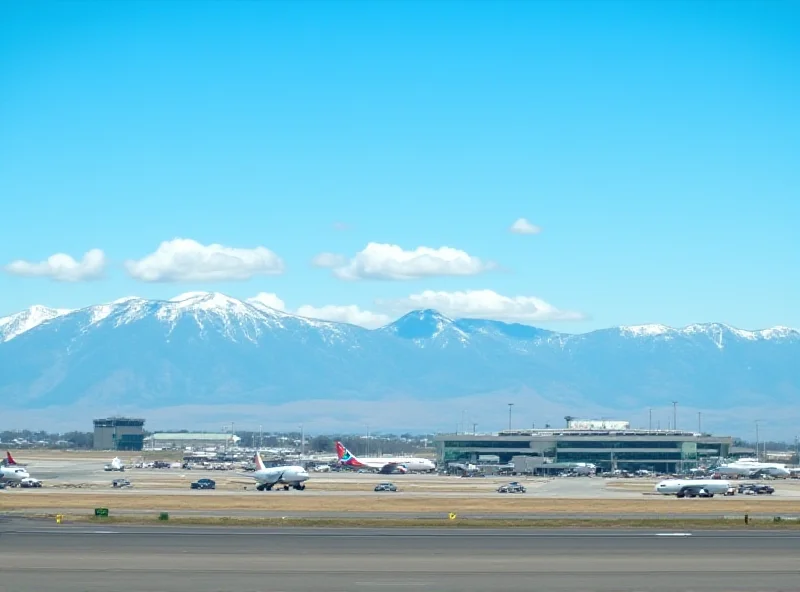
[{"x": 321, "y": 444}]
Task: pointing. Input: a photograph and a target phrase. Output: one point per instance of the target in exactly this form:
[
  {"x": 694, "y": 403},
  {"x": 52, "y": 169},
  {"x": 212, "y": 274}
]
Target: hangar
[{"x": 191, "y": 440}]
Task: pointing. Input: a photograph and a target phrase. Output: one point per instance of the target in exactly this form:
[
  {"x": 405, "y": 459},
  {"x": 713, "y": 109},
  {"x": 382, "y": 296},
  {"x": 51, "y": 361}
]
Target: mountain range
[{"x": 208, "y": 351}]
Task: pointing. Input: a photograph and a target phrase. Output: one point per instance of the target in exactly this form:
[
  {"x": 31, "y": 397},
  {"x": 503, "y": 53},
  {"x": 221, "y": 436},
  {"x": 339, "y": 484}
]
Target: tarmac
[{"x": 80, "y": 558}]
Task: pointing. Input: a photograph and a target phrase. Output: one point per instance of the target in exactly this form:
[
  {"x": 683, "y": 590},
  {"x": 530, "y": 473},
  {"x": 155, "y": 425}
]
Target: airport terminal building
[{"x": 608, "y": 445}]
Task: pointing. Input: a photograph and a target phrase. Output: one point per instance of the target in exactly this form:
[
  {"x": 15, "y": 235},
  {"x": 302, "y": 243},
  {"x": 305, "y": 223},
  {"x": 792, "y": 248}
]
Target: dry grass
[
  {"x": 379, "y": 503},
  {"x": 696, "y": 524},
  {"x": 27, "y": 455}
]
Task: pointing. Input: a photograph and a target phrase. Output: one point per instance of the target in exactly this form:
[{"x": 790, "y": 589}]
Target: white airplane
[
  {"x": 584, "y": 469},
  {"x": 384, "y": 465},
  {"x": 115, "y": 465},
  {"x": 11, "y": 472},
  {"x": 673, "y": 486},
  {"x": 751, "y": 467},
  {"x": 288, "y": 476}
]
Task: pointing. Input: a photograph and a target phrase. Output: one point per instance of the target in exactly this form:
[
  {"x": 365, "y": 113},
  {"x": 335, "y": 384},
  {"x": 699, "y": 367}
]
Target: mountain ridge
[
  {"x": 216, "y": 353},
  {"x": 211, "y": 301}
]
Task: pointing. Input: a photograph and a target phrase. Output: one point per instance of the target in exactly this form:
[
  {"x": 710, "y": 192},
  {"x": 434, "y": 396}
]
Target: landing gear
[
  {"x": 286, "y": 488},
  {"x": 299, "y": 486}
]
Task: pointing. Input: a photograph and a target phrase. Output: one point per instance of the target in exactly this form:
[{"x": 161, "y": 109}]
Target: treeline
[{"x": 47, "y": 439}]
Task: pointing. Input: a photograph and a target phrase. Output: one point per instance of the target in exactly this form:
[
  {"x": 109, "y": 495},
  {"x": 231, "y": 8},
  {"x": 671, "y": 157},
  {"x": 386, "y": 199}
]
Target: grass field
[
  {"x": 671, "y": 524},
  {"x": 385, "y": 504}
]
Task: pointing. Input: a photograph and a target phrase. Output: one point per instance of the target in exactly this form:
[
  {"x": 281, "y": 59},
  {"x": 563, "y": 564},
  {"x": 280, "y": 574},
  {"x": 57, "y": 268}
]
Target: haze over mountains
[{"x": 208, "y": 358}]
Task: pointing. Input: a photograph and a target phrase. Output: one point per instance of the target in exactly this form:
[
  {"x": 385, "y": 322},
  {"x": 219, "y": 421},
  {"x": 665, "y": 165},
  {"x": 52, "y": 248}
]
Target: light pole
[
  {"x": 675, "y": 415},
  {"x": 700, "y": 422},
  {"x": 510, "y": 405},
  {"x": 758, "y": 452},
  {"x": 302, "y": 440},
  {"x": 650, "y": 420}
]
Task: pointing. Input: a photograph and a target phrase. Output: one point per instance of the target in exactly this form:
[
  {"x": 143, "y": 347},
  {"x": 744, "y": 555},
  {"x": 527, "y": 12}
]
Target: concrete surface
[{"x": 176, "y": 559}]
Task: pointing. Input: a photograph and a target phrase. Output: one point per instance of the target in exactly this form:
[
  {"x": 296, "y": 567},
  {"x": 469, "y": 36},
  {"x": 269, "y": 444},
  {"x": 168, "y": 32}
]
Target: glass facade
[
  {"x": 486, "y": 444},
  {"x": 594, "y": 443},
  {"x": 669, "y": 452}
]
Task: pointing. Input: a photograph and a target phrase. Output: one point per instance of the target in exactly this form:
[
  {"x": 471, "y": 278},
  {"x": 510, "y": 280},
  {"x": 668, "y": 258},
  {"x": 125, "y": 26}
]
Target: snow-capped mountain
[
  {"x": 203, "y": 348},
  {"x": 16, "y": 324}
]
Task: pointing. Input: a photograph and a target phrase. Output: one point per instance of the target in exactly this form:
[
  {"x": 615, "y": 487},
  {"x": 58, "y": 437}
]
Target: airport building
[
  {"x": 608, "y": 445},
  {"x": 118, "y": 433},
  {"x": 193, "y": 441}
]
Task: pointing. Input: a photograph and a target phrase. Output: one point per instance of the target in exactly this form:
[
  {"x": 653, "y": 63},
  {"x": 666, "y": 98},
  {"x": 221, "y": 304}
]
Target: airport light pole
[
  {"x": 758, "y": 452},
  {"x": 700, "y": 422},
  {"x": 302, "y": 440},
  {"x": 510, "y": 405},
  {"x": 650, "y": 420},
  {"x": 675, "y": 415}
]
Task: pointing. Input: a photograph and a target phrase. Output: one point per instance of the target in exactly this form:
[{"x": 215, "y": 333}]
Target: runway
[{"x": 42, "y": 556}]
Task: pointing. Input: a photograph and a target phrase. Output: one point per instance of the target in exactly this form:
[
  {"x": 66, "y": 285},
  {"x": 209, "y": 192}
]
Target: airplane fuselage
[
  {"x": 747, "y": 469},
  {"x": 13, "y": 474},
  {"x": 288, "y": 476},
  {"x": 673, "y": 486},
  {"x": 412, "y": 464}
]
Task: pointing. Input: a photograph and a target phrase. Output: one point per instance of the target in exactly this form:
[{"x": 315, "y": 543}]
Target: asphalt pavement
[{"x": 43, "y": 556}]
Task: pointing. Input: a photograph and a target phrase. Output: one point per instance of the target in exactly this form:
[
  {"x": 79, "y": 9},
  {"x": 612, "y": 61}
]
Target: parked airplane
[
  {"x": 383, "y": 465},
  {"x": 11, "y": 472},
  {"x": 288, "y": 476},
  {"x": 751, "y": 467},
  {"x": 673, "y": 486},
  {"x": 115, "y": 465}
]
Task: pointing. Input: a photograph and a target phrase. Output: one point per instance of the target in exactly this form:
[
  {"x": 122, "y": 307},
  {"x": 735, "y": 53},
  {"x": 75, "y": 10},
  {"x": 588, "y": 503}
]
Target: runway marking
[
  {"x": 395, "y": 584},
  {"x": 677, "y": 534}
]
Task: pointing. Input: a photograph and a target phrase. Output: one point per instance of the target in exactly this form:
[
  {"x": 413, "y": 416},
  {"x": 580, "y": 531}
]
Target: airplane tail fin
[
  {"x": 345, "y": 456},
  {"x": 10, "y": 459},
  {"x": 258, "y": 461}
]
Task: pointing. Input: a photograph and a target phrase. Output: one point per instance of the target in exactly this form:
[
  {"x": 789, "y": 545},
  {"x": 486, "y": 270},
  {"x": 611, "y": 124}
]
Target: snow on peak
[
  {"x": 779, "y": 332},
  {"x": 189, "y": 296},
  {"x": 426, "y": 324},
  {"x": 14, "y": 325},
  {"x": 125, "y": 299},
  {"x": 650, "y": 330}
]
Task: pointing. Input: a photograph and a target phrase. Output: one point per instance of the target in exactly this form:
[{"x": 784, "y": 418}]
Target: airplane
[
  {"x": 751, "y": 467},
  {"x": 385, "y": 466},
  {"x": 115, "y": 465},
  {"x": 11, "y": 472},
  {"x": 288, "y": 476},
  {"x": 673, "y": 486}
]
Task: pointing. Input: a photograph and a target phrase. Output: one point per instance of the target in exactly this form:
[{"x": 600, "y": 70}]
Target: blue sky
[{"x": 654, "y": 144}]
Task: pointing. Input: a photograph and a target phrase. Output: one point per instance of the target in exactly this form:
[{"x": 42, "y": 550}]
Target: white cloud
[
  {"x": 344, "y": 314},
  {"x": 522, "y": 226},
  {"x": 185, "y": 260},
  {"x": 488, "y": 304},
  {"x": 62, "y": 267},
  {"x": 390, "y": 262},
  {"x": 268, "y": 299},
  {"x": 328, "y": 260}
]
